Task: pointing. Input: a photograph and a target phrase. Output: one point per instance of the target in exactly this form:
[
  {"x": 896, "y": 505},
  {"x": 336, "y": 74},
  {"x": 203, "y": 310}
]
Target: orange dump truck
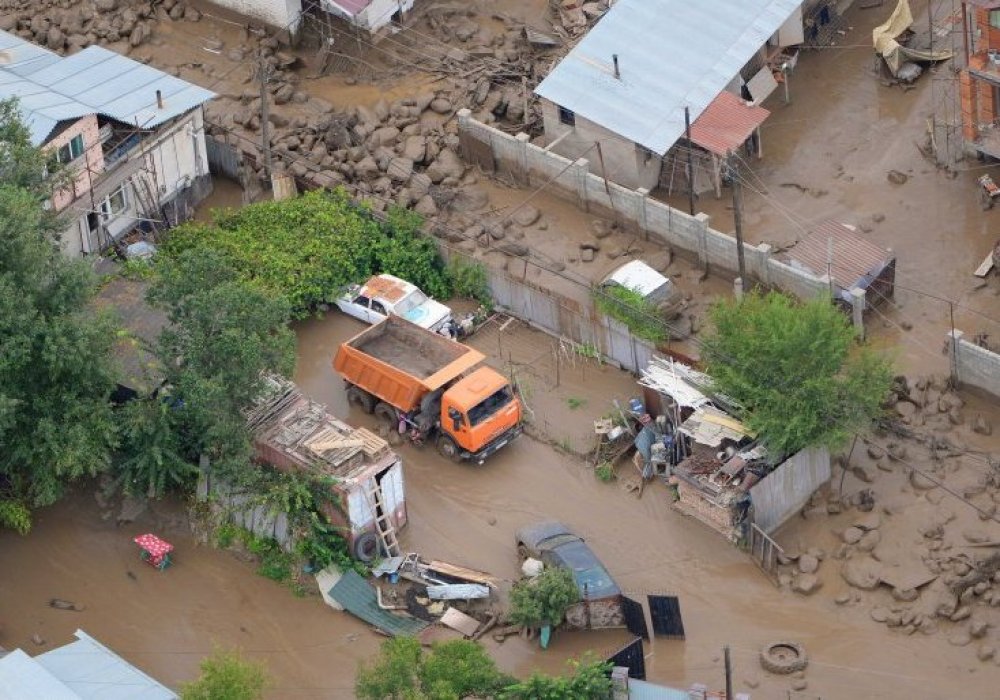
[{"x": 424, "y": 384}]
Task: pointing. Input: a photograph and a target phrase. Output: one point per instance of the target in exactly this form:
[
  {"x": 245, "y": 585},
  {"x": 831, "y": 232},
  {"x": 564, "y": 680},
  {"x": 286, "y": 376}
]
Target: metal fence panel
[
  {"x": 787, "y": 489},
  {"x": 223, "y": 158}
]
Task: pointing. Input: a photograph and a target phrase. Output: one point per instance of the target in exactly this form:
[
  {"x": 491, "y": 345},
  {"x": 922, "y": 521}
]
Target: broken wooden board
[
  {"x": 460, "y": 572},
  {"x": 985, "y": 267},
  {"x": 906, "y": 578},
  {"x": 459, "y": 621}
]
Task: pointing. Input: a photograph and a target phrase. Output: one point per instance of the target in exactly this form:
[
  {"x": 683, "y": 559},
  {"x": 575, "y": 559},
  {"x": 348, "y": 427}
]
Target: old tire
[
  {"x": 366, "y": 547},
  {"x": 360, "y": 398},
  {"x": 387, "y": 414},
  {"x": 783, "y": 658},
  {"x": 447, "y": 447}
]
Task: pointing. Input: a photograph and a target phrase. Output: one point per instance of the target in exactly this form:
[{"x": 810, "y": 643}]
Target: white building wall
[
  {"x": 624, "y": 161},
  {"x": 380, "y": 12},
  {"x": 282, "y": 14}
]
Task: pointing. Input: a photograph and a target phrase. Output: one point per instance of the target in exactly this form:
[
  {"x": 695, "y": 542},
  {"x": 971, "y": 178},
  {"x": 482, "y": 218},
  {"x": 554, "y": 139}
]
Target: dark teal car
[{"x": 554, "y": 544}]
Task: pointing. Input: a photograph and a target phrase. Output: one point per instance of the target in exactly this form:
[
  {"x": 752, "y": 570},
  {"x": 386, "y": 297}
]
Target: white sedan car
[{"x": 382, "y": 295}]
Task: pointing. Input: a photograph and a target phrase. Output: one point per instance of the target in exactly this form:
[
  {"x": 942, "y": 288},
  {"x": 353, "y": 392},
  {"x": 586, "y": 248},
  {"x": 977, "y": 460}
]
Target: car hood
[{"x": 431, "y": 314}]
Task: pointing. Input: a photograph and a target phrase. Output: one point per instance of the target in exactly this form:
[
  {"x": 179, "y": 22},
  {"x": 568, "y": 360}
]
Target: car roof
[
  {"x": 637, "y": 275},
  {"x": 587, "y": 569},
  {"x": 388, "y": 288},
  {"x": 537, "y": 533}
]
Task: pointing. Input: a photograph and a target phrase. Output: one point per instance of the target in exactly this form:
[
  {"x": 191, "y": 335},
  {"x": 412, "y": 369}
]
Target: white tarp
[{"x": 894, "y": 53}]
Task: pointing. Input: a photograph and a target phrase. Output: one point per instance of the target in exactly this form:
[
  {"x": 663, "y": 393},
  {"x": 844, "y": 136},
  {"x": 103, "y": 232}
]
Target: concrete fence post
[
  {"x": 464, "y": 117},
  {"x": 738, "y": 288},
  {"x": 522, "y": 157},
  {"x": 641, "y": 200},
  {"x": 581, "y": 170},
  {"x": 858, "y": 310},
  {"x": 701, "y": 231},
  {"x": 764, "y": 258},
  {"x": 955, "y": 353}
]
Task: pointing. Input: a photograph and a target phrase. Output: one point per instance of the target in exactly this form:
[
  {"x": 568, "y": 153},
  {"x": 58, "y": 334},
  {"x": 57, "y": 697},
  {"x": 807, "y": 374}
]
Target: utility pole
[
  {"x": 263, "y": 73},
  {"x": 729, "y": 674},
  {"x": 734, "y": 175},
  {"x": 687, "y": 132}
]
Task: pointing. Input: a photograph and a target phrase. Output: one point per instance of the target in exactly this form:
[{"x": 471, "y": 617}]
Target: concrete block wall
[
  {"x": 574, "y": 180},
  {"x": 975, "y": 366}
]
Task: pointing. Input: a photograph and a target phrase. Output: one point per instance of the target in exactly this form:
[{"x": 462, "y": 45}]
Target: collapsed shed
[
  {"x": 836, "y": 249},
  {"x": 721, "y": 473}
]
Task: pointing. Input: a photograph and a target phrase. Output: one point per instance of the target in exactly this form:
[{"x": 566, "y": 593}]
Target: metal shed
[{"x": 851, "y": 261}]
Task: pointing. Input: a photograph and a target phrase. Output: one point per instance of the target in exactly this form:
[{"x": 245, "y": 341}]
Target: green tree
[
  {"x": 796, "y": 370},
  {"x": 152, "y": 458},
  {"x": 630, "y": 307},
  {"x": 590, "y": 680},
  {"x": 223, "y": 335},
  {"x": 403, "y": 251},
  {"x": 226, "y": 675},
  {"x": 544, "y": 599},
  {"x": 55, "y": 353},
  {"x": 449, "y": 671}
]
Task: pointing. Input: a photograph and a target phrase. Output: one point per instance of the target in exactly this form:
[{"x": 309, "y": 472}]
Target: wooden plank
[
  {"x": 458, "y": 620},
  {"x": 458, "y": 591},
  {"x": 986, "y": 266},
  {"x": 463, "y": 573}
]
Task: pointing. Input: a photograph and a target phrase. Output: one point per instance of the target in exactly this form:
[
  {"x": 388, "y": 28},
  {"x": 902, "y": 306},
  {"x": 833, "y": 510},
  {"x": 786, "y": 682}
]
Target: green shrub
[
  {"x": 15, "y": 516},
  {"x": 631, "y": 308},
  {"x": 544, "y": 599},
  {"x": 403, "y": 251},
  {"x": 470, "y": 280},
  {"x": 605, "y": 471}
]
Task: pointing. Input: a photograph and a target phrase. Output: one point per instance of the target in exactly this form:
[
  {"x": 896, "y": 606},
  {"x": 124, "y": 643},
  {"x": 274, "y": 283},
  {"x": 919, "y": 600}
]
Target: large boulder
[
  {"x": 862, "y": 572},
  {"x": 415, "y": 148},
  {"x": 446, "y": 165},
  {"x": 400, "y": 169},
  {"x": 384, "y": 136}
]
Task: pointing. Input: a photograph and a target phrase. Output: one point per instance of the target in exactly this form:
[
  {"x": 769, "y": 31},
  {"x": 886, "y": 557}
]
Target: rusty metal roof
[
  {"x": 726, "y": 123},
  {"x": 855, "y": 261}
]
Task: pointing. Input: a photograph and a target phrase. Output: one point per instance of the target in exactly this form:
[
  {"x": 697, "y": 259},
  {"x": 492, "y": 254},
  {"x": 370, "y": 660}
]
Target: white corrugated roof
[
  {"x": 671, "y": 54},
  {"x": 82, "y": 670},
  {"x": 51, "y": 88}
]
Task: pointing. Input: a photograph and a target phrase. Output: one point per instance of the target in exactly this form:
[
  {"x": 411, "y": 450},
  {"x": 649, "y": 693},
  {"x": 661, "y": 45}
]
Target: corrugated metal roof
[
  {"x": 855, "y": 261},
  {"x": 51, "y": 88},
  {"x": 23, "y": 678},
  {"x": 91, "y": 670},
  {"x": 358, "y": 598},
  {"x": 726, "y": 123},
  {"x": 671, "y": 54}
]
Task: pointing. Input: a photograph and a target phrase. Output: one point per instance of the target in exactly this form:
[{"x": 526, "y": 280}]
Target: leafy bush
[
  {"x": 470, "y": 279},
  {"x": 544, "y": 599},
  {"x": 226, "y": 675},
  {"x": 590, "y": 680},
  {"x": 631, "y": 308},
  {"x": 402, "y": 251},
  {"x": 16, "y": 516},
  {"x": 306, "y": 248},
  {"x": 151, "y": 460},
  {"x": 605, "y": 471},
  {"x": 455, "y": 669}
]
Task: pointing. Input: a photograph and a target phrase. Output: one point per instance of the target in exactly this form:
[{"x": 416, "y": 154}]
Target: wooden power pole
[
  {"x": 734, "y": 175},
  {"x": 690, "y": 146},
  {"x": 729, "y": 674},
  {"x": 263, "y": 73}
]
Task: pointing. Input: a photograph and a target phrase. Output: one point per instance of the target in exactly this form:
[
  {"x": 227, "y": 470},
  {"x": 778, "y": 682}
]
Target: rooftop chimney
[
  {"x": 614, "y": 57},
  {"x": 159, "y": 96}
]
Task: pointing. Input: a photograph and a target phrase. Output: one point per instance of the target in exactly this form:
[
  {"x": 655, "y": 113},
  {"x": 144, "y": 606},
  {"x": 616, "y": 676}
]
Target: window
[
  {"x": 69, "y": 152},
  {"x": 566, "y": 116},
  {"x": 378, "y": 308},
  {"x": 362, "y": 301},
  {"x": 115, "y": 203},
  {"x": 995, "y": 19},
  {"x": 490, "y": 405}
]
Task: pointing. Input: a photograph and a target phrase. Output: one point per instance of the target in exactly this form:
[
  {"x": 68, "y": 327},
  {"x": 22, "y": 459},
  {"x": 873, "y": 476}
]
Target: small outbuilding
[{"x": 837, "y": 250}]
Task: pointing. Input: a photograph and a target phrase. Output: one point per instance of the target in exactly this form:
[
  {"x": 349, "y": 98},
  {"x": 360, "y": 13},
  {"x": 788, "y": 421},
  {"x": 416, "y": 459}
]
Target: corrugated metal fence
[
  {"x": 223, "y": 158},
  {"x": 787, "y": 489},
  {"x": 242, "y": 511}
]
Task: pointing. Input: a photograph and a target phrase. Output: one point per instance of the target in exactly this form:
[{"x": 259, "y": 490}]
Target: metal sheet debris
[{"x": 458, "y": 591}]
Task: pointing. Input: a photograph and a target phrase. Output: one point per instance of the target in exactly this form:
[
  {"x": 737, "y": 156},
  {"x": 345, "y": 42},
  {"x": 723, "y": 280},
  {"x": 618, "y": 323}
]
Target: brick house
[{"x": 979, "y": 81}]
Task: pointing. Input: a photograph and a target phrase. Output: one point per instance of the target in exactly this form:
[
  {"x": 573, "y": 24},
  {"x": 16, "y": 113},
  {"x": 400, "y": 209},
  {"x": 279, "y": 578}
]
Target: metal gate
[
  {"x": 635, "y": 618},
  {"x": 223, "y": 158},
  {"x": 665, "y": 610},
  {"x": 631, "y": 657}
]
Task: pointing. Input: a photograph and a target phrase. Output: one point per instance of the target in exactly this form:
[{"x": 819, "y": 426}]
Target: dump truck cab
[{"x": 480, "y": 414}]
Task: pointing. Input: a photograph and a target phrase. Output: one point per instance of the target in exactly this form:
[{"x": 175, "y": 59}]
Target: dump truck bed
[{"x": 400, "y": 362}]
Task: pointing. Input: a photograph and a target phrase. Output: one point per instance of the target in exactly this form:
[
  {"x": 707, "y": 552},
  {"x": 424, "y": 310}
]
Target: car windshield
[
  {"x": 493, "y": 403},
  {"x": 595, "y": 580},
  {"x": 410, "y": 302}
]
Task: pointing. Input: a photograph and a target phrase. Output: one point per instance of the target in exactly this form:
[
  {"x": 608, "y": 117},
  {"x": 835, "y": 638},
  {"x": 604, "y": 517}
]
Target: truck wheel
[
  {"x": 360, "y": 398},
  {"x": 447, "y": 447},
  {"x": 366, "y": 547},
  {"x": 387, "y": 414}
]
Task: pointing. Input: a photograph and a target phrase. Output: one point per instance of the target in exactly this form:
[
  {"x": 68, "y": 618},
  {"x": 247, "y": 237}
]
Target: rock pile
[{"x": 66, "y": 26}]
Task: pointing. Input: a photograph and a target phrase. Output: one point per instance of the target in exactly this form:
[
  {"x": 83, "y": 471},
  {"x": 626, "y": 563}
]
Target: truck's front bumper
[{"x": 496, "y": 444}]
